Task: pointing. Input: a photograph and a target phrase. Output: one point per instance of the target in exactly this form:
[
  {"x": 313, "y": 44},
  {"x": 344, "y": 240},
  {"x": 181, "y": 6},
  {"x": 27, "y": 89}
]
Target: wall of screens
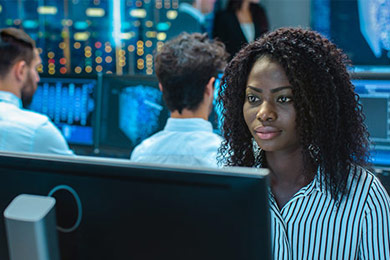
[
  {"x": 86, "y": 37},
  {"x": 109, "y": 115}
]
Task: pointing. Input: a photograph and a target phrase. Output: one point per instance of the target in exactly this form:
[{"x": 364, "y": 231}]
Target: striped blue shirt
[{"x": 311, "y": 226}]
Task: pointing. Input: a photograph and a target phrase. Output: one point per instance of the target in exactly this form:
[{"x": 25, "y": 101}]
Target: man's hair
[
  {"x": 329, "y": 117},
  {"x": 184, "y": 66},
  {"x": 15, "y": 45}
]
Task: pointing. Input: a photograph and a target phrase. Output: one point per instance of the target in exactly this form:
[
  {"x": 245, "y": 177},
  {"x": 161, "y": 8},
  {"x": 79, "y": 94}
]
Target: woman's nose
[{"x": 266, "y": 112}]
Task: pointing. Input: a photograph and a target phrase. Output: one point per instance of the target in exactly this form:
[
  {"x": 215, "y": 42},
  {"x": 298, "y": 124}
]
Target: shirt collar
[
  {"x": 189, "y": 9},
  {"x": 188, "y": 124},
  {"x": 317, "y": 184},
  {"x": 10, "y": 98}
]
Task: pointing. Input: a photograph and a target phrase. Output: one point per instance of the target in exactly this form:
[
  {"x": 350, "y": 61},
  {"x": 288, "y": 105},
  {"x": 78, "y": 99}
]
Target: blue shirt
[
  {"x": 22, "y": 130},
  {"x": 189, "y": 141}
]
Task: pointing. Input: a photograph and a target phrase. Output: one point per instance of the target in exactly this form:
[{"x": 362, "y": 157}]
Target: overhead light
[
  {"x": 138, "y": 13},
  {"x": 95, "y": 12},
  {"x": 47, "y": 10},
  {"x": 172, "y": 14},
  {"x": 81, "y": 36}
]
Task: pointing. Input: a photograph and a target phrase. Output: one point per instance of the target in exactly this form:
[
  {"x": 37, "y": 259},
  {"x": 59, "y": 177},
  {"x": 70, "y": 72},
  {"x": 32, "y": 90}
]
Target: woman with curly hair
[{"x": 289, "y": 105}]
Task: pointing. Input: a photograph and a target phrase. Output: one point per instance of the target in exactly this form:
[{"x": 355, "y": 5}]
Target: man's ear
[
  {"x": 20, "y": 69},
  {"x": 209, "y": 90},
  {"x": 160, "y": 86}
]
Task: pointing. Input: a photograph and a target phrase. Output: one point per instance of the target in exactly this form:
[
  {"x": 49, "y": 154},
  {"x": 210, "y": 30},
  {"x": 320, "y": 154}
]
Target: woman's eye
[
  {"x": 284, "y": 99},
  {"x": 252, "y": 99}
]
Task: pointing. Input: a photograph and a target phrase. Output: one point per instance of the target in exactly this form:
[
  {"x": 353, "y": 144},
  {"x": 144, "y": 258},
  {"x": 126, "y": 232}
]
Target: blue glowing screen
[
  {"x": 361, "y": 28},
  {"x": 139, "y": 110},
  {"x": 216, "y": 117},
  {"x": 69, "y": 104},
  {"x": 132, "y": 110}
]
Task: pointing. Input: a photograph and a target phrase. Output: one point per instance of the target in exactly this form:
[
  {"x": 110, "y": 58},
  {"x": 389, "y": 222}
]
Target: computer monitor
[
  {"x": 113, "y": 209},
  {"x": 216, "y": 117},
  {"x": 70, "y": 103},
  {"x": 132, "y": 109},
  {"x": 374, "y": 93}
]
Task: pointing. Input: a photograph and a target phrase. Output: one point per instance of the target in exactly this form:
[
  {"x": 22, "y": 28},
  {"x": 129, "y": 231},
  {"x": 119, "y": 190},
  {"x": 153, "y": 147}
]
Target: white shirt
[
  {"x": 189, "y": 141},
  {"x": 248, "y": 29},
  {"x": 310, "y": 226},
  {"x": 22, "y": 130}
]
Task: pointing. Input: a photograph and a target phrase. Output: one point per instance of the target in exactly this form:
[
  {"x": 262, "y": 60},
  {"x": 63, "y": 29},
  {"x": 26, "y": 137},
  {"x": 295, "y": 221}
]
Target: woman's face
[{"x": 268, "y": 108}]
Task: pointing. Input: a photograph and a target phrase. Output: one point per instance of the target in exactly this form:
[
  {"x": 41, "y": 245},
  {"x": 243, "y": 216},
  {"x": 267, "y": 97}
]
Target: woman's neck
[
  {"x": 287, "y": 174},
  {"x": 243, "y": 14}
]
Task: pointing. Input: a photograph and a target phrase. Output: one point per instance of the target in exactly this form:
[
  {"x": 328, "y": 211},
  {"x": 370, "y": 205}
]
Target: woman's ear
[{"x": 160, "y": 86}]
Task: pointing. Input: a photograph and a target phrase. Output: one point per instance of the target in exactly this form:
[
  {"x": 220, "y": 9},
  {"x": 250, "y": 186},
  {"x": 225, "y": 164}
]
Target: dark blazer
[{"x": 227, "y": 28}]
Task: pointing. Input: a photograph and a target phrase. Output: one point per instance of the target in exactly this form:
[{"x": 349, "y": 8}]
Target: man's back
[
  {"x": 186, "y": 67},
  {"x": 183, "y": 141},
  {"x": 26, "y": 131}
]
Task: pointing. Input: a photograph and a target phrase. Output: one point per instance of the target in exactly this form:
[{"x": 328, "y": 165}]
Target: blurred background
[{"x": 97, "y": 73}]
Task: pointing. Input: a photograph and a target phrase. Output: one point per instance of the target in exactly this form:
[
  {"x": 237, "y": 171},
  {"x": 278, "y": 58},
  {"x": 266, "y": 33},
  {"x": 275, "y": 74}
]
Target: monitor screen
[
  {"x": 69, "y": 103},
  {"x": 216, "y": 117},
  {"x": 374, "y": 93},
  {"x": 359, "y": 27},
  {"x": 113, "y": 209},
  {"x": 132, "y": 109}
]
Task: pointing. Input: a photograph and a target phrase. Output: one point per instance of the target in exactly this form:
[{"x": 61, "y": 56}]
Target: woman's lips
[{"x": 267, "y": 132}]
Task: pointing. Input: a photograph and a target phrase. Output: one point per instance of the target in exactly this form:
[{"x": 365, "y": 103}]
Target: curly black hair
[
  {"x": 184, "y": 66},
  {"x": 329, "y": 116}
]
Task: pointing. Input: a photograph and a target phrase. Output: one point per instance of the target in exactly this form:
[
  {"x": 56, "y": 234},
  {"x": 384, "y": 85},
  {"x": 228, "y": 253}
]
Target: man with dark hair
[
  {"x": 20, "y": 129},
  {"x": 186, "y": 68}
]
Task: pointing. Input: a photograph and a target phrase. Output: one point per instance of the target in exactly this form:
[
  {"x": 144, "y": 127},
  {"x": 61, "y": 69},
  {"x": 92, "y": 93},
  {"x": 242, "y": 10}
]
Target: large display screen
[
  {"x": 360, "y": 27},
  {"x": 70, "y": 104}
]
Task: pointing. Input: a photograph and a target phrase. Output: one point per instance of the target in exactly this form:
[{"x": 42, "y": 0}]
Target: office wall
[{"x": 288, "y": 12}]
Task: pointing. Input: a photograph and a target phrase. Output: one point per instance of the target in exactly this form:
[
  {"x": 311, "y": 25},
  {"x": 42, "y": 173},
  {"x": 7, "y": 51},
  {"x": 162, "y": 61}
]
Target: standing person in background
[
  {"x": 22, "y": 130},
  {"x": 191, "y": 17},
  {"x": 186, "y": 68},
  {"x": 289, "y": 106},
  {"x": 242, "y": 22}
]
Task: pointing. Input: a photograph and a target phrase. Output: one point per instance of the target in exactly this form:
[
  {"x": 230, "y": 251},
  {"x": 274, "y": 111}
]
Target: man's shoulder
[
  {"x": 20, "y": 116},
  {"x": 34, "y": 118},
  {"x": 149, "y": 142}
]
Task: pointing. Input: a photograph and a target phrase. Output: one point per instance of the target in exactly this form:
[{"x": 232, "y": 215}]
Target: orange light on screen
[{"x": 63, "y": 70}]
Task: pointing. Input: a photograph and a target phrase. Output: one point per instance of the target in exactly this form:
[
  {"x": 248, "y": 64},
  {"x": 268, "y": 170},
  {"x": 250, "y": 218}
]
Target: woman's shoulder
[{"x": 367, "y": 186}]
